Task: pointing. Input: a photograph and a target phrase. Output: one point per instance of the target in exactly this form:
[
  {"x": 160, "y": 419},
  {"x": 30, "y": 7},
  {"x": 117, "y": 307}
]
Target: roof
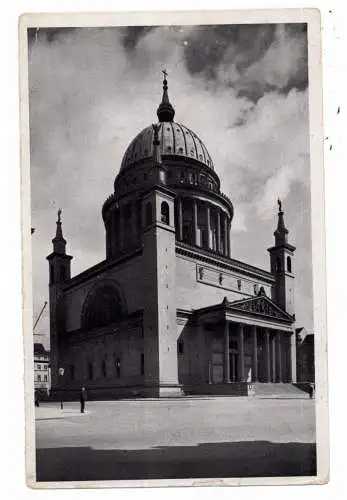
[
  {"x": 39, "y": 350},
  {"x": 175, "y": 140}
]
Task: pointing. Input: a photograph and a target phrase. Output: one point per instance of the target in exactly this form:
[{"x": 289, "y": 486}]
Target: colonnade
[
  {"x": 216, "y": 224},
  {"x": 123, "y": 228},
  {"x": 275, "y": 350},
  {"x": 209, "y": 226}
]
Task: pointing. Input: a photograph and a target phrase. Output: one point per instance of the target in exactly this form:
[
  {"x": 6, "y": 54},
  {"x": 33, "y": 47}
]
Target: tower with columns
[{"x": 169, "y": 311}]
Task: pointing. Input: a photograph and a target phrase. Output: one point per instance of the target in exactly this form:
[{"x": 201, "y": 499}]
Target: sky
[{"x": 243, "y": 89}]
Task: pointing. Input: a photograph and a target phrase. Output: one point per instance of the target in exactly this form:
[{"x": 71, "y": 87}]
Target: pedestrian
[
  {"x": 37, "y": 401},
  {"x": 83, "y": 397}
]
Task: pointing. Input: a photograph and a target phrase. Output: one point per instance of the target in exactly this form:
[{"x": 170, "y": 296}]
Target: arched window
[
  {"x": 51, "y": 274},
  {"x": 278, "y": 265},
  {"x": 103, "y": 308},
  {"x": 149, "y": 214},
  {"x": 62, "y": 273},
  {"x": 289, "y": 264},
  {"x": 117, "y": 366},
  {"x": 165, "y": 213}
]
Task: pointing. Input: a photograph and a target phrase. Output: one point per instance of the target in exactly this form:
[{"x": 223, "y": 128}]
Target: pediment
[{"x": 262, "y": 306}]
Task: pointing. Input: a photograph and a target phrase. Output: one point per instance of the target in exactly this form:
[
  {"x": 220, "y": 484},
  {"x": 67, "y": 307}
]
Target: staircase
[{"x": 282, "y": 390}]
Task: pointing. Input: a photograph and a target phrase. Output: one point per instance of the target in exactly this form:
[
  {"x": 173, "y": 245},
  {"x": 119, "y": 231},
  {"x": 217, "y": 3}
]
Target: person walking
[{"x": 83, "y": 397}]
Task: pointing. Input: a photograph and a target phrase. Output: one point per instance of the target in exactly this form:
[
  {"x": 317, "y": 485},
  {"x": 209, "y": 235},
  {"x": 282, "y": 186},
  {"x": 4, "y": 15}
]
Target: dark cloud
[
  {"x": 133, "y": 34},
  {"x": 48, "y": 34},
  {"x": 208, "y": 45},
  {"x": 238, "y": 49}
]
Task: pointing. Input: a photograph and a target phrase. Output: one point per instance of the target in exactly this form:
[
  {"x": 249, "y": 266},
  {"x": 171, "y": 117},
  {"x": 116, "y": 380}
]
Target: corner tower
[
  {"x": 59, "y": 273},
  {"x": 282, "y": 265},
  {"x": 158, "y": 237}
]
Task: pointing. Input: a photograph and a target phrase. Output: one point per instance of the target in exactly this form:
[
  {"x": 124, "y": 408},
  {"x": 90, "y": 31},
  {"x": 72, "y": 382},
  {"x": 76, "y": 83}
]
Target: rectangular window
[
  {"x": 45, "y": 378},
  {"x": 39, "y": 367},
  {"x": 39, "y": 378},
  {"x": 142, "y": 364}
]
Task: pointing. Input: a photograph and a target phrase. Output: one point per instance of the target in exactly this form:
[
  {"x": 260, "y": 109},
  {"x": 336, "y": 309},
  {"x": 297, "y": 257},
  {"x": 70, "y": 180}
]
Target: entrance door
[{"x": 233, "y": 365}]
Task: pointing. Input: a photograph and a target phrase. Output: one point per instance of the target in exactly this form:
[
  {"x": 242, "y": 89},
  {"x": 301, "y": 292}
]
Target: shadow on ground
[{"x": 239, "y": 459}]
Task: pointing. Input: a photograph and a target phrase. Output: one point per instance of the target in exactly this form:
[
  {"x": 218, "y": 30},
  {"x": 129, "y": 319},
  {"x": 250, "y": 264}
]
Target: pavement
[{"x": 181, "y": 438}]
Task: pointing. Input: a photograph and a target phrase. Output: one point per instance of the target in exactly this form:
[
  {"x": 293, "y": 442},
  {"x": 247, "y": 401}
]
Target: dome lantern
[{"x": 165, "y": 111}]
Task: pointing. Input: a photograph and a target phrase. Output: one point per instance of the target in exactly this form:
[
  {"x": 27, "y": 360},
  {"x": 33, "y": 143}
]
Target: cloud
[
  {"x": 282, "y": 66},
  {"x": 93, "y": 90}
]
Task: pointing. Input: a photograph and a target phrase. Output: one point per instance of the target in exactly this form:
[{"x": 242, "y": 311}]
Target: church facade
[{"x": 170, "y": 311}]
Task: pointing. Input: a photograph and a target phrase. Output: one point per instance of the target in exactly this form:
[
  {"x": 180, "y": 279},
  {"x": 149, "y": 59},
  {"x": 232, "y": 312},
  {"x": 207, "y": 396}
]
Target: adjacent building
[
  {"x": 305, "y": 356},
  {"x": 169, "y": 310},
  {"x": 42, "y": 371}
]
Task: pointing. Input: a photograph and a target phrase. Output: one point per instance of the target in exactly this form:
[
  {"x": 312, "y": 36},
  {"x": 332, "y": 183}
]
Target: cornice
[{"x": 214, "y": 258}]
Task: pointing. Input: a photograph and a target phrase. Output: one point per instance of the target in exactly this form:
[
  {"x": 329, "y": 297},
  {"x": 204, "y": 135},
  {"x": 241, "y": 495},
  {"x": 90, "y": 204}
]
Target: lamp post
[{"x": 61, "y": 375}]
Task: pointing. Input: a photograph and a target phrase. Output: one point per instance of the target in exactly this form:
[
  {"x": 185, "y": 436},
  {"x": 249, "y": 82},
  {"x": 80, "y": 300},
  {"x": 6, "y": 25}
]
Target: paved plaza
[{"x": 183, "y": 438}]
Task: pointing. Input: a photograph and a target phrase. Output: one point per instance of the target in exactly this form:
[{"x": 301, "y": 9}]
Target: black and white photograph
[{"x": 169, "y": 179}]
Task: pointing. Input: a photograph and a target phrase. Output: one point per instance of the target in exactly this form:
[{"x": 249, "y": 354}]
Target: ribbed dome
[{"x": 175, "y": 140}]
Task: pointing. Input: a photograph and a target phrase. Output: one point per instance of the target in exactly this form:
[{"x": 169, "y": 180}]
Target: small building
[
  {"x": 169, "y": 310},
  {"x": 305, "y": 356},
  {"x": 42, "y": 371}
]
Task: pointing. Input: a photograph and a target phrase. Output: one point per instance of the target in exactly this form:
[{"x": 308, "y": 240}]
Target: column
[
  {"x": 208, "y": 221},
  {"x": 293, "y": 357},
  {"x": 226, "y": 353},
  {"x": 180, "y": 220},
  {"x": 228, "y": 237},
  {"x": 195, "y": 221},
  {"x": 273, "y": 357},
  {"x": 218, "y": 231},
  {"x": 279, "y": 357},
  {"x": 255, "y": 355},
  {"x": 225, "y": 224},
  {"x": 241, "y": 374},
  {"x": 267, "y": 356}
]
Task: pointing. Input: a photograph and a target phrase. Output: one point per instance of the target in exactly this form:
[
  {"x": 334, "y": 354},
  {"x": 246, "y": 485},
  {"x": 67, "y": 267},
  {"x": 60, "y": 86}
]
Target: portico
[{"x": 248, "y": 341}]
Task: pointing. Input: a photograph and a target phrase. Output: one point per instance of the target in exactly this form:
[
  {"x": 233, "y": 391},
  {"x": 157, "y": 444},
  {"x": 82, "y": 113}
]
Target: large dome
[{"x": 175, "y": 140}]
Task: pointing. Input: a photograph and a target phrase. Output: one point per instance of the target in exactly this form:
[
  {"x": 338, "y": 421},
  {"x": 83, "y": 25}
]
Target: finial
[
  {"x": 156, "y": 129},
  {"x": 156, "y": 143},
  {"x": 59, "y": 241},
  {"x": 165, "y": 110},
  {"x": 281, "y": 231}
]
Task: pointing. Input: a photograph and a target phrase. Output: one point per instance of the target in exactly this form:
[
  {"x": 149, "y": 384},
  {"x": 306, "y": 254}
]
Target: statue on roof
[{"x": 279, "y": 205}]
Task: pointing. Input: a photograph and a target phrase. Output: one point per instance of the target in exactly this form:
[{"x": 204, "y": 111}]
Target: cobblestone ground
[{"x": 187, "y": 438}]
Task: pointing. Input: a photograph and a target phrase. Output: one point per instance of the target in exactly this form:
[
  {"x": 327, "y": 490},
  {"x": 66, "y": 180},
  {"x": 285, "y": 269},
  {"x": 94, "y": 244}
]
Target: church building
[{"x": 169, "y": 311}]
